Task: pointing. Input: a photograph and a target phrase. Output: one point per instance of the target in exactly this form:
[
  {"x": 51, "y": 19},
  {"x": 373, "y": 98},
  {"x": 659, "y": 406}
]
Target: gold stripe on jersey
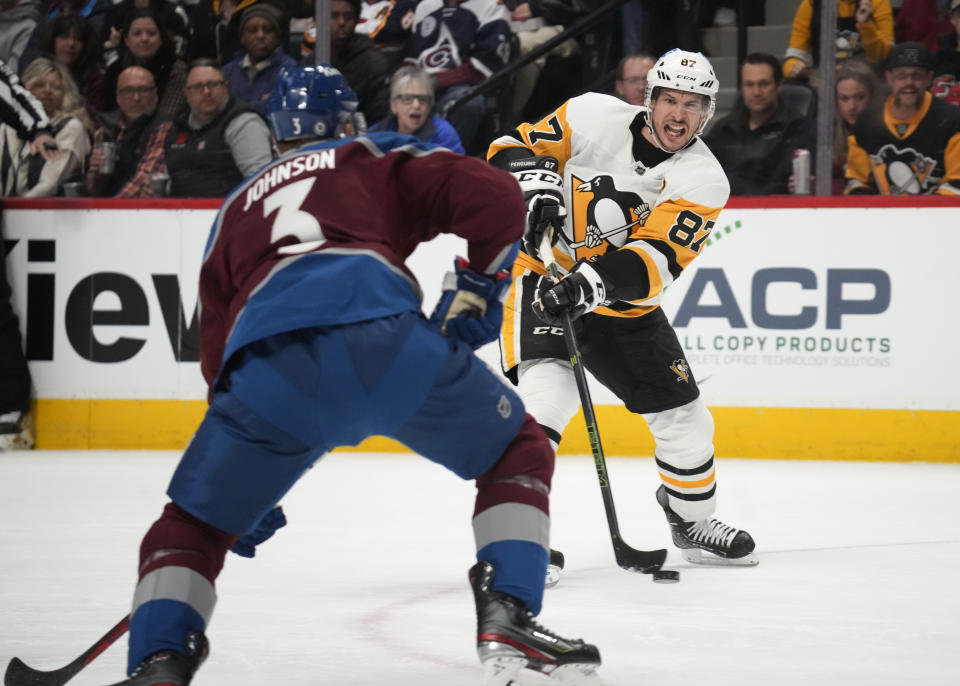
[
  {"x": 688, "y": 485},
  {"x": 549, "y": 136},
  {"x": 696, "y": 483},
  {"x": 510, "y": 327}
]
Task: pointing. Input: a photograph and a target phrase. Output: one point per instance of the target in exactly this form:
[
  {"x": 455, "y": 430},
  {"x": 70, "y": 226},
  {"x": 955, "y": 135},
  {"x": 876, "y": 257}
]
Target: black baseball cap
[{"x": 909, "y": 54}]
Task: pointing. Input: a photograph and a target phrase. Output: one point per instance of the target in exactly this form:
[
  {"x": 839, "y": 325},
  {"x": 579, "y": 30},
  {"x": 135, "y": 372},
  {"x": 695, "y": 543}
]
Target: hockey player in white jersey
[{"x": 631, "y": 195}]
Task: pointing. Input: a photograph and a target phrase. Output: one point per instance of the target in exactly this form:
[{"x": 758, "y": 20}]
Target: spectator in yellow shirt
[{"x": 864, "y": 28}]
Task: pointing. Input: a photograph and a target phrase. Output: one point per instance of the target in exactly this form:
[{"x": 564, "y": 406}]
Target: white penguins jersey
[{"x": 639, "y": 225}]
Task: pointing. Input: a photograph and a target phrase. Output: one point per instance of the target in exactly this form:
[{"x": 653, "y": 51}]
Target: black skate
[
  {"x": 709, "y": 541},
  {"x": 170, "y": 668},
  {"x": 510, "y": 643},
  {"x": 554, "y": 567}
]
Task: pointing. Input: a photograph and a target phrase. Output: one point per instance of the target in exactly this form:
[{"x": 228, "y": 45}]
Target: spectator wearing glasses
[
  {"x": 127, "y": 128},
  {"x": 631, "y": 83},
  {"x": 209, "y": 148},
  {"x": 411, "y": 104}
]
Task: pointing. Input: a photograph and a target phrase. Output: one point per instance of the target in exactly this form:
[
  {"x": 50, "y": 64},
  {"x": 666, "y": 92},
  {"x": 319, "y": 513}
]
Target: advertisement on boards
[{"x": 816, "y": 307}]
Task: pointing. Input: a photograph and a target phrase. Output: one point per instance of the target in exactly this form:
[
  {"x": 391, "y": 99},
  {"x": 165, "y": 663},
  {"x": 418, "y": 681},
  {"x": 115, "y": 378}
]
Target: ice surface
[{"x": 857, "y": 582}]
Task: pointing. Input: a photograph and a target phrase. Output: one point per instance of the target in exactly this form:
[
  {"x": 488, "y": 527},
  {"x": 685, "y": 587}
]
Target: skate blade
[
  {"x": 513, "y": 671},
  {"x": 701, "y": 557},
  {"x": 553, "y": 576}
]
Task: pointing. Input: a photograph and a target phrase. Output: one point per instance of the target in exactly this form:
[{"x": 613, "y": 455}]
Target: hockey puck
[{"x": 666, "y": 576}]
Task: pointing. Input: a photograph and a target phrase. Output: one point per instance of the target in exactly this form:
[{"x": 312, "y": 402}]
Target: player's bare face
[
  {"x": 909, "y": 85},
  {"x": 852, "y": 99},
  {"x": 676, "y": 116}
]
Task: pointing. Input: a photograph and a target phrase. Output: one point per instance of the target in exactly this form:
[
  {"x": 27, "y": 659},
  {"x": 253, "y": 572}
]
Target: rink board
[{"x": 814, "y": 328}]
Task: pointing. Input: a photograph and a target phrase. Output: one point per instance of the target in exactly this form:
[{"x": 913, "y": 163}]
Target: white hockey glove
[
  {"x": 470, "y": 308},
  {"x": 542, "y": 188},
  {"x": 581, "y": 291}
]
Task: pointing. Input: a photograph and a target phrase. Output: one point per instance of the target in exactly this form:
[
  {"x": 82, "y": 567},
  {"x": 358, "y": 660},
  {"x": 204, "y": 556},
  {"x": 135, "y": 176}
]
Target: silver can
[
  {"x": 801, "y": 172},
  {"x": 160, "y": 185},
  {"x": 109, "y": 151}
]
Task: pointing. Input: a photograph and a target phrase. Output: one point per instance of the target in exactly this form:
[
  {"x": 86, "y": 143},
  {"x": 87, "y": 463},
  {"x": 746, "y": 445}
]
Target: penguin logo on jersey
[
  {"x": 680, "y": 368},
  {"x": 610, "y": 213},
  {"x": 902, "y": 172}
]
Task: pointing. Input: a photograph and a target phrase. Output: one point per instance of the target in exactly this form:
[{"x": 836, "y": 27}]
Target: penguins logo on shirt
[
  {"x": 682, "y": 370},
  {"x": 608, "y": 214},
  {"x": 902, "y": 172}
]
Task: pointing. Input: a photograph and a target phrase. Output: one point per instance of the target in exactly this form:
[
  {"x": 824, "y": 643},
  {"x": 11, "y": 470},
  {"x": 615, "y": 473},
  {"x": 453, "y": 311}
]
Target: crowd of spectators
[{"x": 116, "y": 77}]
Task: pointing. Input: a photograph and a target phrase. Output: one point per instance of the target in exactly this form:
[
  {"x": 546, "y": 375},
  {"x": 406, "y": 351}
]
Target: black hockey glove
[
  {"x": 542, "y": 188},
  {"x": 246, "y": 545},
  {"x": 578, "y": 293}
]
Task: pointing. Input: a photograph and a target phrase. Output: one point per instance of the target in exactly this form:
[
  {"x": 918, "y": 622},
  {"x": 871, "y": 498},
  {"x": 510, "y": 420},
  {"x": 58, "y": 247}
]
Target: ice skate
[
  {"x": 516, "y": 651},
  {"x": 16, "y": 431},
  {"x": 554, "y": 567},
  {"x": 169, "y": 667},
  {"x": 709, "y": 541}
]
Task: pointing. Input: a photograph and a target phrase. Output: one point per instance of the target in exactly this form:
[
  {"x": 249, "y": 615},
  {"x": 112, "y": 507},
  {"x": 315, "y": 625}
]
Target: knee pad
[
  {"x": 548, "y": 389},
  {"x": 180, "y": 539},
  {"x": 523, "y": 473}
]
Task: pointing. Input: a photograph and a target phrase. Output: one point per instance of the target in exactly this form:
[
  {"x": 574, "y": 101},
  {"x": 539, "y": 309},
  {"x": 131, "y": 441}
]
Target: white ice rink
[{"x": 857, "y": 583}]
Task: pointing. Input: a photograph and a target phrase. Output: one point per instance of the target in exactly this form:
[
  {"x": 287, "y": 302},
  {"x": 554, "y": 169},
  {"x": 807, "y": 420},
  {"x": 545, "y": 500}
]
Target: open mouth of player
[{"x": 675, "y": 132}]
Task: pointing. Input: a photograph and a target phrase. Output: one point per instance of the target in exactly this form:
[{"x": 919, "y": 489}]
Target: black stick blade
[
  {"x": 19, "y": 674},
  {"x": 642, "y": 561}
]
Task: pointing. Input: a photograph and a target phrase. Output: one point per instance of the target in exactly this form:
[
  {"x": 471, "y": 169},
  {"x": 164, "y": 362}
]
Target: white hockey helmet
[{"x": 690, "y": 72}]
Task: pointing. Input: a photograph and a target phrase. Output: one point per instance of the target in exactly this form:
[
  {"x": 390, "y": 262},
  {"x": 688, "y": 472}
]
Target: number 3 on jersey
[
  {"x": 686, "y": 231},
  {"x": 291, "y": 220}
]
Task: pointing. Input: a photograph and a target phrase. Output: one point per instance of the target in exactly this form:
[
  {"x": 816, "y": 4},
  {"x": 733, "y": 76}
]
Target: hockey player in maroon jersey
[{"x": 312, "y": 337}]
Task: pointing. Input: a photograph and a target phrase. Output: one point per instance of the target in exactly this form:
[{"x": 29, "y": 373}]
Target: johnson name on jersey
[
  {"x": 475, "y": 31},
  {"x": 917, "y": 156},
  {"x": 320, "y": 236},
  {"x": 649, "y": 217}
]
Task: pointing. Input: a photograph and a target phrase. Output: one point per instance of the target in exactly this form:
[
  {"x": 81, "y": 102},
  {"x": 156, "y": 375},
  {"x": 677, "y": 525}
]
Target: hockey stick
[
  {"x": 605, "y": 234},
  {"x": 631, "y": 559},
  {"x": 19, "y": 674}
]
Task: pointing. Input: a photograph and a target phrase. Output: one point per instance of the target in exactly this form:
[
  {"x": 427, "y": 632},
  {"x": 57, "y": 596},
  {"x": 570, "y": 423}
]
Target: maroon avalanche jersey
[{"x": 319, "y": 236}]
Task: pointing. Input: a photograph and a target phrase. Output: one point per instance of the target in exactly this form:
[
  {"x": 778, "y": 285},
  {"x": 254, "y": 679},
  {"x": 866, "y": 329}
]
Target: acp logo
[{"x": 835, "y": 303}]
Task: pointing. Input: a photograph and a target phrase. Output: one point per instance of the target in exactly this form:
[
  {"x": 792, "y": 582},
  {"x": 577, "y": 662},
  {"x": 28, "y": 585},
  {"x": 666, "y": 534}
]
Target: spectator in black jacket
[
  {"x": 71, "y": 41},
  {"x": 755, "y": 143},
  {"x": 355, "y": 56}
]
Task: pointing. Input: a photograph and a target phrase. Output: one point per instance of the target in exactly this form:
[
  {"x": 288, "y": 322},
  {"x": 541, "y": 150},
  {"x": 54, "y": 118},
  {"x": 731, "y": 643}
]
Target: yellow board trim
[{"x": 749, "y": 432}]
